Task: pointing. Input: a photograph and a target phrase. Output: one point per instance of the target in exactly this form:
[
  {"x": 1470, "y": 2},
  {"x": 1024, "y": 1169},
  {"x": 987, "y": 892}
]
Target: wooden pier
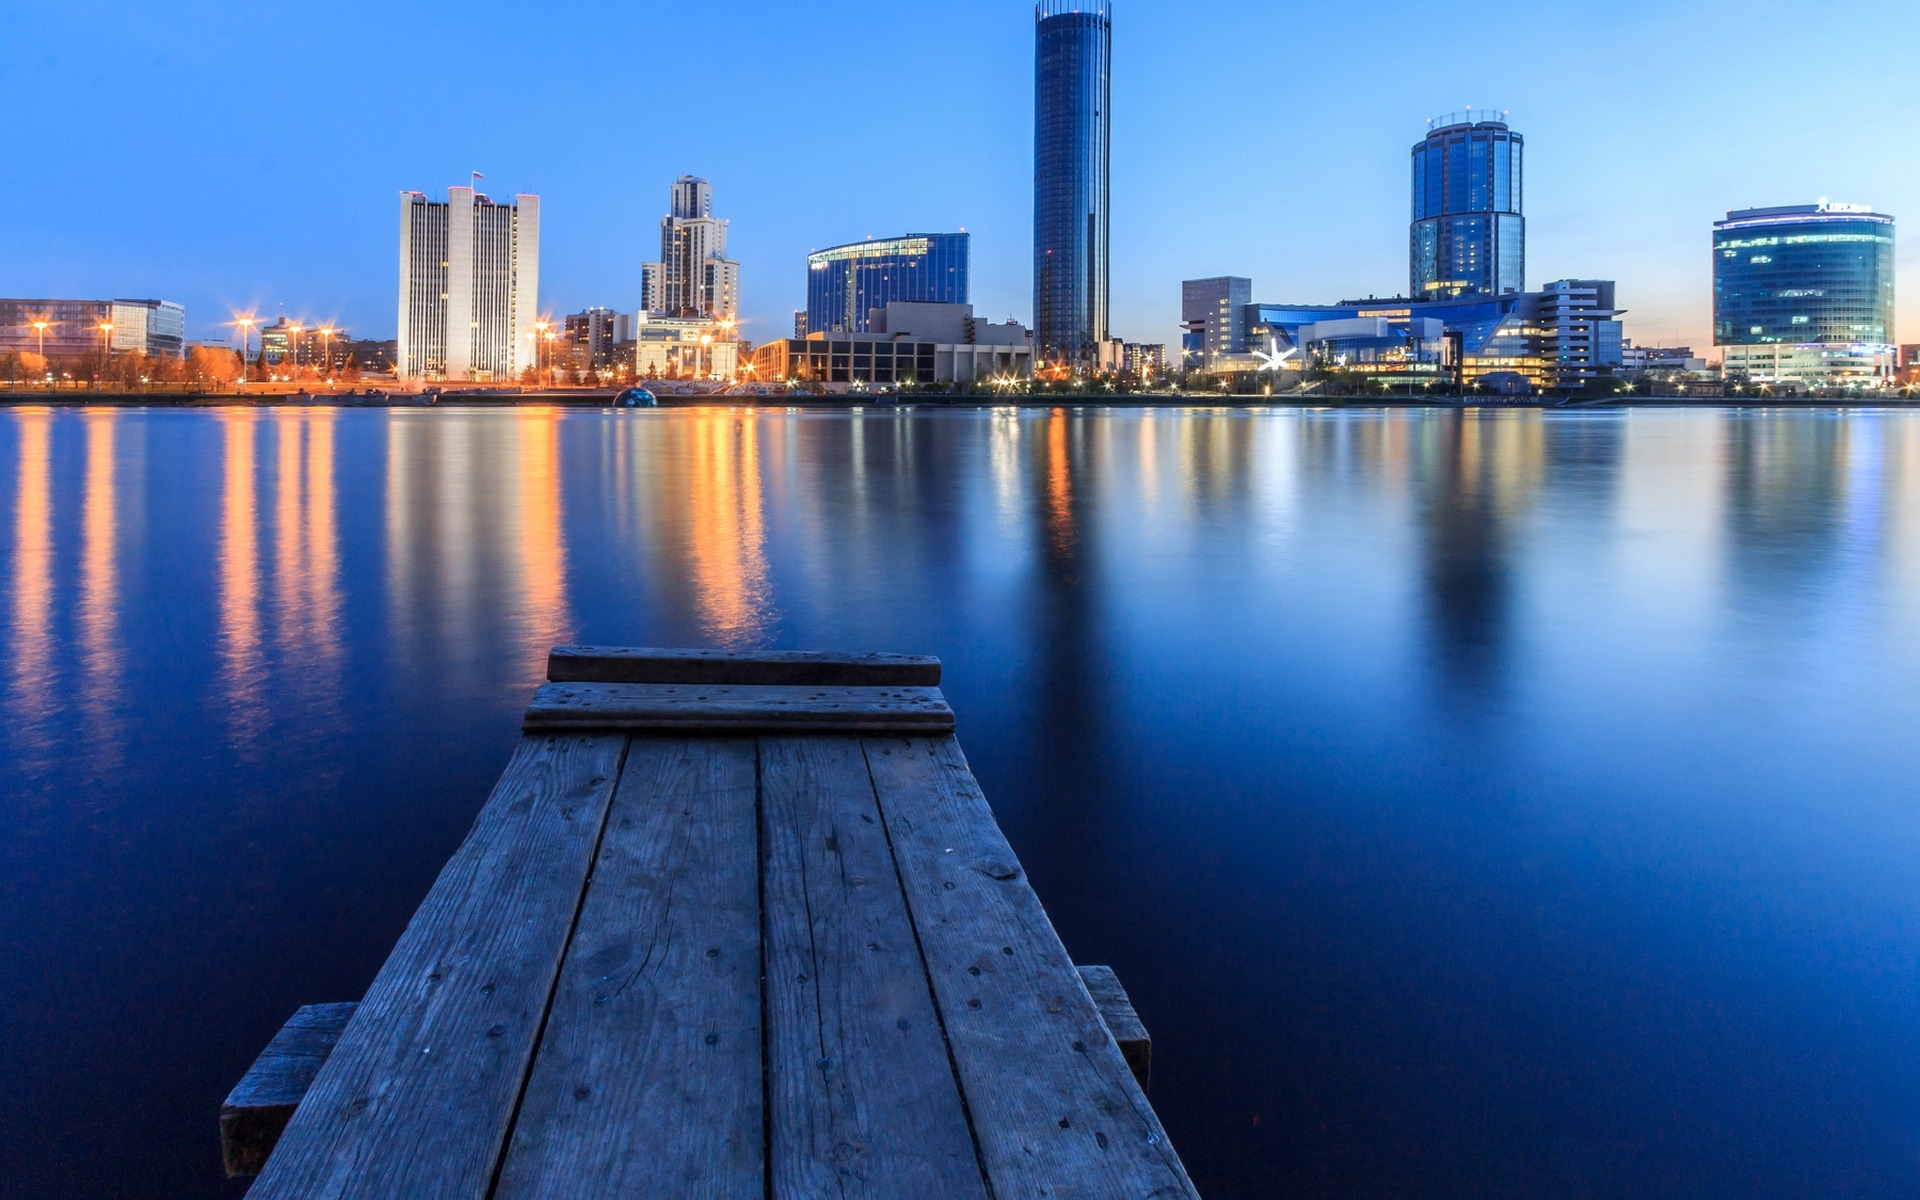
[{"x": 729, "y": 926}]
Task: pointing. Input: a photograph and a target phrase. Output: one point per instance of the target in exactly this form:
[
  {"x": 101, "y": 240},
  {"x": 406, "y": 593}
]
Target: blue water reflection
[{"x": 1494, "y": 804}]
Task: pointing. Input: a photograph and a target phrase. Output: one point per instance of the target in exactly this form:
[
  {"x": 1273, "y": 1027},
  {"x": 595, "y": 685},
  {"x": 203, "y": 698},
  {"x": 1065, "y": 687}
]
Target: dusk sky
[{"x": 236, "y": 157}]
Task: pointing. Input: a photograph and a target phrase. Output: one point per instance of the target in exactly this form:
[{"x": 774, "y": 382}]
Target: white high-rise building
[
  {"x": 653, "y": 295},
  {"x": 694, "y": 277},
  {"x": 469, "y": 286}
]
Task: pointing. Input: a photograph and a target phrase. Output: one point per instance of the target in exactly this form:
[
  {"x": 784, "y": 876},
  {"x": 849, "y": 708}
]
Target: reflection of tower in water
[
  {"x": 1787, "y": 476},
  {"x": 476, "y": 536},
  {"x": 1481, "y": 471}
]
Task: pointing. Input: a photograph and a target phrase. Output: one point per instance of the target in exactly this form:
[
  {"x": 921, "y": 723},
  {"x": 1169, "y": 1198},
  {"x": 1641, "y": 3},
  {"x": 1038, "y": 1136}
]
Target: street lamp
[
  {"x": 293, "y": 350},
  {"x": 550, "y": 367},
  {"x": 40, "y": 327},
  {"x": 106, "y": 349},
  {"x": 326, "y": 352},
  {"x": 246, "y": 336}
]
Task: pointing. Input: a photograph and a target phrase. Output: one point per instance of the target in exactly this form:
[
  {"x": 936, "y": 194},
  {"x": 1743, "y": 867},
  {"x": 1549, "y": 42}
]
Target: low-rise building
[
  {"x": 910, "y": 344},
  {"x": 1640, "y": 360},
  {"x": 1810, "y": 364},
  {"x": 678, "y": 348},
  {"x": 318, "y": 345},
  {"x": 71, "y": 328},
  {"x": 1557, "y": 338}
]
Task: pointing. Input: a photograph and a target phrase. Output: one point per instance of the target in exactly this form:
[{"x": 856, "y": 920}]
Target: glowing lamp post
[{"x": 246, "y": 342}]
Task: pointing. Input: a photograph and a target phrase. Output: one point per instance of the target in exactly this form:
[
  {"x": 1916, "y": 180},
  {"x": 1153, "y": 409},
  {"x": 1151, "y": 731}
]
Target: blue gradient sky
[{"x": 241, "y": 156}]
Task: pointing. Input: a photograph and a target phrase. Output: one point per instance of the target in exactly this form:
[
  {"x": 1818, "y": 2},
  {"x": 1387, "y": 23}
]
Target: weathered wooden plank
[
  {"x": 736, "y": 710},
  {"x": 612, "y": 664},
  {"x": 1052, "y": 1101},
  {"x": 1128, "y": 1030},
  {"x": 649, "y": 1079},
  {"x": 258, "y": 1108},
  {"x": 416, "y": 1099},
  {"x": 861, "y": 1094}
]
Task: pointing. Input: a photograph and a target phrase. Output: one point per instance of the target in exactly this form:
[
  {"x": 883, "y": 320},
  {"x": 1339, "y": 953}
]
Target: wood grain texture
[
  {"x": 1053, "y": 1104},
  {"x": 417, "y": 1097},
  {"x": 735, "y": 710},
  {"x": 258, "y": 1108},
  {"x": 648, "y": 1080},
  {"x": 861, "y": 1094},
  {"x": 604, "y": 664},
  {"x": 1116, "y": 1010}
]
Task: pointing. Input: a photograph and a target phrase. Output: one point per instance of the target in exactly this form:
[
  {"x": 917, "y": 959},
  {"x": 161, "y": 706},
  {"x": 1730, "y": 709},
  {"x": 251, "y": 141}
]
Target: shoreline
[{"x": 602, "y": 399}]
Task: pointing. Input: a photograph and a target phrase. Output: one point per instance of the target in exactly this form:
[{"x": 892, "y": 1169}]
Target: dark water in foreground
[{"x": 1496, "y": 805}]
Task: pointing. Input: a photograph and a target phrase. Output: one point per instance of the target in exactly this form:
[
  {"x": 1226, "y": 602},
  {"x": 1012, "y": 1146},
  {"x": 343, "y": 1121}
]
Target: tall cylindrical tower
[
  {"x": 1072, "y": 184},
  {"x": 1469, "y": 237}
]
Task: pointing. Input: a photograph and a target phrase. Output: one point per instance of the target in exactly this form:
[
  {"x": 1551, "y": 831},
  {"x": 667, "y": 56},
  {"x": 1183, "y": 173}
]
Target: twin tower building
[{"x": 470, "y": 280}]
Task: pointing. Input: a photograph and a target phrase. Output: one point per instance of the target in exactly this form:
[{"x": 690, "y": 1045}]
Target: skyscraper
[
  {"x": 1468, "y": 236},
  {"x": 1072, "y": 184},
  {"x": 694, "y": 277},
  {"x": 469, "y": 286}
]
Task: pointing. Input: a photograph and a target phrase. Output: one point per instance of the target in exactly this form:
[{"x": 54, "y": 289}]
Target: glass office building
[
  {"x": 1803, "y": 274},
  {"x": 1469, "y": 237},
  {"x": 1072, "y": 186},
  {"x": 845, "y": 283}
]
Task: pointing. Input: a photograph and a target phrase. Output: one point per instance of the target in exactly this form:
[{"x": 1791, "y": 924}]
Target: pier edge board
[
  {"x": 619, "y": 664},
  {"x": 417, "y": 1097},
  {"x": 736, "y": 710},
  {"x": 1053, "y": 1101},
  {"x": 255, "y": 1113}
]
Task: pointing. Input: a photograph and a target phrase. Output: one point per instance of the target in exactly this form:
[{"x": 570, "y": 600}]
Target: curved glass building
[
  {"x": 1802, "y": 274},
  {"x": 1073, "y": 90},
  {"x": 1469, "y": 237},
  {"x": 845, "y": 283}
]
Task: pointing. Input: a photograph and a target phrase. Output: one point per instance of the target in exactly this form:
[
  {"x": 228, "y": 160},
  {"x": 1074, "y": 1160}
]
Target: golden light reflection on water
[
  {"x": 306, "y": 550},
  {"x": 242, "y": 668},
  {"x": 477, "y": 506},
  {"x": 1061, "y": 533},
  {"x": 545, "y": 619},
  {"x": 726, "y": 533},
  {"x": 32, "y": 592},
  {"x": 323, "y": 540},
  {"x": 100, "y": 654}
]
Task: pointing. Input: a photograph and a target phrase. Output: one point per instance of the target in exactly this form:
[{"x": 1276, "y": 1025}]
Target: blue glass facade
[
  {"x": 845, "y": 283},
  {"x": 1803, "y": 274},
  {"x": 1468, "y": 237},
  {"x": 1073, "y": 60}
]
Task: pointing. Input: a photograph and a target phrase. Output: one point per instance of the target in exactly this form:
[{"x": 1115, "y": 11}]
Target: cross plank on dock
[{"x": 731, "y": 926}]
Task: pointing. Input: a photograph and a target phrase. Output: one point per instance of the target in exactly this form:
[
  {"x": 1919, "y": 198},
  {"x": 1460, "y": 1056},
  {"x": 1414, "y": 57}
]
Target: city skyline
[{"x": 1625, "y": 189}]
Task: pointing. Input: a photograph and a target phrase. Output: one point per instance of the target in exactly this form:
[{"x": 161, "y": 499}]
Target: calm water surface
[{"x": 1497, "y": 805}]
